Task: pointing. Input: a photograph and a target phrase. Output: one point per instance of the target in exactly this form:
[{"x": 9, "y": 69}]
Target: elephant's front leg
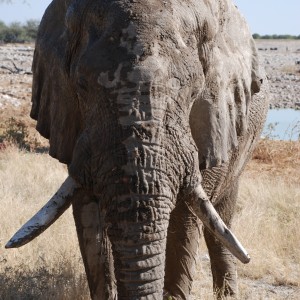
[
  {"x": 94, "y": 246},
  {"x": 182, "y": 249},
  {"x": 223, "y": 263}
]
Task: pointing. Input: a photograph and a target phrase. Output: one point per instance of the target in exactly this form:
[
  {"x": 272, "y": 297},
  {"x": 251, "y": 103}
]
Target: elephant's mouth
[{"x": 62, "y": 199}]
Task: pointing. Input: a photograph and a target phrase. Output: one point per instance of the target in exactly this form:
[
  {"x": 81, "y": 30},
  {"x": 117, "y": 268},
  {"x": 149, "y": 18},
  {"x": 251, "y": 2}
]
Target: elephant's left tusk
[
  {"x": 213, "y": 222},
  {"x": 46, "y": 216}
]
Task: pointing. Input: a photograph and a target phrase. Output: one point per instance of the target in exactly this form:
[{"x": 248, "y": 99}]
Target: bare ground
[{"x": 281, "y": 59}]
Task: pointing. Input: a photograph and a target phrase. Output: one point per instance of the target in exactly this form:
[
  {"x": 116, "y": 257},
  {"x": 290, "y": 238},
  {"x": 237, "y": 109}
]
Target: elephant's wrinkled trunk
[
  {"x": 139, "y": 244},
  {"x": 137, "y": 167},
  {"x": 138, "y": 217},
  {"x": 141, "y": 201}
]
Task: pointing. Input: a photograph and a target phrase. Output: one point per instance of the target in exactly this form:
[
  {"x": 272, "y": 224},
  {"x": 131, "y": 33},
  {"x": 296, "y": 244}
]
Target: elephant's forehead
[
  {"x": 147, "y": 18},
  {"x": 107, "y": 33},
  {"x": 136, "y": 57}
]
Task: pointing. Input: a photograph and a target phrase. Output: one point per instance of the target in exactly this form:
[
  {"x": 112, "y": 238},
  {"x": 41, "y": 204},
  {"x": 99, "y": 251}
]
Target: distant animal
[{"x": 155, "y": 106}]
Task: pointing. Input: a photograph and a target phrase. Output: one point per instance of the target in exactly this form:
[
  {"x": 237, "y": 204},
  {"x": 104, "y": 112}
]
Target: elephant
[{"x": 155, "y": 107}]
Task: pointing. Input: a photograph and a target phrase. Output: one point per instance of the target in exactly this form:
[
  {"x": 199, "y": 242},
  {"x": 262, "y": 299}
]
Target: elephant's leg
[
  {"x": 223, "y": 263},
  {"x": 94, "y": 246},
  {"x": 182, "y": 249}
]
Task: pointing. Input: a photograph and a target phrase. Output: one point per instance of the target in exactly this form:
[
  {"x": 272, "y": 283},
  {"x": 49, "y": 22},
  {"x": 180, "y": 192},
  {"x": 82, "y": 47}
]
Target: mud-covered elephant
[{"x": 155, "y": 106}]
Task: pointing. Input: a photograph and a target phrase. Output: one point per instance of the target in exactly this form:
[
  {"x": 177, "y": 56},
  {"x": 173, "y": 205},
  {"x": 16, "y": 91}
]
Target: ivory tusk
[
  {"x": 213, "y": 222},
  {"x": 46, "y": 216}
]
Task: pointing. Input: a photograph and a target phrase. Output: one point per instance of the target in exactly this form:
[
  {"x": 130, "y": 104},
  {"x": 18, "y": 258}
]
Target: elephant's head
[{"x": 134, "y": 96}]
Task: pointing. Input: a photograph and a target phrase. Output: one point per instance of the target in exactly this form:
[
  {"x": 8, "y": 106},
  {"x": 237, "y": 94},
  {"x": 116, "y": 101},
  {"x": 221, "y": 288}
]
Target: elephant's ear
[
  {"x": 221, "y": 118},
  {"x": 54, "y": 102}
]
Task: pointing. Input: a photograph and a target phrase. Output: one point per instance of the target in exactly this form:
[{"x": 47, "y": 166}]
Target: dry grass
[
  {"x": 50, "y": 267},
  {"x": 276, "y": 159},
  {"x": 267, "y": 222}
]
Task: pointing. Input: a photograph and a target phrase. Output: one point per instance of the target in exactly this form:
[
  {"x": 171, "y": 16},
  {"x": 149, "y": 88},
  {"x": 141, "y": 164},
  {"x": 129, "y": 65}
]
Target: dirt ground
[
  {"x": 281, "y": 59},
  {"x": 15, "y": 88}
]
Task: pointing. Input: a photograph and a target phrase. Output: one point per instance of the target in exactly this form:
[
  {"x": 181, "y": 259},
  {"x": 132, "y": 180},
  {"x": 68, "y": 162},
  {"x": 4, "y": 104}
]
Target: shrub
[
  {"x": 31, "y": 28},
  {"x": 14, "y": 132},
  {"x": 18, "y": 33},
  {"x": 276, "y": 36}
]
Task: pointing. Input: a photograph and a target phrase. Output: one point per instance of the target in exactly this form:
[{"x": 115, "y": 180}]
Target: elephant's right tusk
[
  {"x": 213, "y": 222},
  {"x": 46, "y": 216}
]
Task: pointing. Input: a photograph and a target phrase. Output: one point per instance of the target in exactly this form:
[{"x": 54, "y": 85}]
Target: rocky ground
[
  {"x": 281, "y": 59},
  {"x": 15, "y": 80}
]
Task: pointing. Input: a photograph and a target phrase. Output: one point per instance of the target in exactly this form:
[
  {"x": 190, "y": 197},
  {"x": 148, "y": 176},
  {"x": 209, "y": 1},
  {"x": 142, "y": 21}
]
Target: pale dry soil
[
  {"x": 281, "y": 60},
  {"x": 15, "y": 87},
  {"x": 267, "y": 221}
]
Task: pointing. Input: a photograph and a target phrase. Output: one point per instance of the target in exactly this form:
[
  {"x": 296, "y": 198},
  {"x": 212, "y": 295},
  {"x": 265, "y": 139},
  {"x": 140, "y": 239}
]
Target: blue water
[{"x": 282, "y": 124}]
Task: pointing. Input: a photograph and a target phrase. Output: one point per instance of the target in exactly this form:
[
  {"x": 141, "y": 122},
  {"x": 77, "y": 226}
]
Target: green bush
[
  {"x": 31, "y": 28},
  {"x": 19, "y": 33},
  {"x": 276, "y": 36}
]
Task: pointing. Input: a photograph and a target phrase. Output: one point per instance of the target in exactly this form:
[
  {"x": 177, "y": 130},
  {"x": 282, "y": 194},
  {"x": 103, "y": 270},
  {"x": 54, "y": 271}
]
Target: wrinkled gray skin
[{"x": 144, "y": 100}]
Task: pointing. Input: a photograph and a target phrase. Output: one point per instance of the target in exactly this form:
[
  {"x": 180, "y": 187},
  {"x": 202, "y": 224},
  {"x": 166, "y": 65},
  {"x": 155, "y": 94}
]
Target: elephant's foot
[
  {"x": 223, "y": 268},
  {"x": 226, "y": 287}
]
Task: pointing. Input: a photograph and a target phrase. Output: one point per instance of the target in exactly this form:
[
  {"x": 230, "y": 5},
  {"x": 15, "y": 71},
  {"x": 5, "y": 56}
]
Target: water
[{"x": 282, "y": 124}]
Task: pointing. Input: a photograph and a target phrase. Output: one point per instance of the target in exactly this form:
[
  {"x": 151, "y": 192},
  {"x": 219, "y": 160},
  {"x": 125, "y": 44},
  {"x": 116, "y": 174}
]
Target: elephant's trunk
[
  {"x": 138, "y": 178},
  {"x": 141, "y": 201},
  {"x": 139, "y": 246}
]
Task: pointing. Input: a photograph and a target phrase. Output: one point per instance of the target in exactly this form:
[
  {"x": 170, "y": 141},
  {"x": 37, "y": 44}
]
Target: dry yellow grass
[
  {"x": 276, "y": 159},
  {"x": 267, "y": 222},
  {"x": 50, "y": 267}
]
